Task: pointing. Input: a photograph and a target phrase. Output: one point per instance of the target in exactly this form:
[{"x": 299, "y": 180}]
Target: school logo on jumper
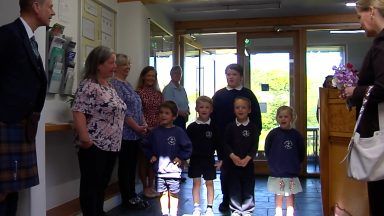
[
  {"x": 171, "y": 140},
  {"x": 246, "y": 133},
  {"x": 208, "y": 134},
  {"x": 288, "y": 144}
]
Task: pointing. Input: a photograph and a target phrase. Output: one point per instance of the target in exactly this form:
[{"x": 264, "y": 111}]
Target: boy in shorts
[
  {"x": 205, "y": 140},
  {"x": 169, "y": 145}
]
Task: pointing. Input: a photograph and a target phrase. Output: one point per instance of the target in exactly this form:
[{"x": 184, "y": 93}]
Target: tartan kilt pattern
[{"x": 18, "y": 161}]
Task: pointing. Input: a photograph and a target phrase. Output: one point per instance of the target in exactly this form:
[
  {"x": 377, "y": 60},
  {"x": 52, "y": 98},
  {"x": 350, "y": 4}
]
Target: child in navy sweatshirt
[
  {"x": 205, "y": 140},
  {"x": 241, "y": 144},
  {"x": 284, "y": 148},
  {"x": 223, "y": 114},
  {"x": 169, "y": 145}
]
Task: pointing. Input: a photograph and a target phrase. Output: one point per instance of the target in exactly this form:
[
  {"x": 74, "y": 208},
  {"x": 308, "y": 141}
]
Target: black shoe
[
  {"x": 136, "y": 203},
  {"x": 223, "y": 207}
]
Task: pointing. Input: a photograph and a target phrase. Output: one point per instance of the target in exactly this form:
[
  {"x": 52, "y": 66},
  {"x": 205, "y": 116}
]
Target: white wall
[
  {"x": 62, "y": 169},
  {"x": 133, "y": 36},
  {"x": 61, "y": 184},
  {"x": 56, "y": 107},
  {"x": 160, "y": 19}
]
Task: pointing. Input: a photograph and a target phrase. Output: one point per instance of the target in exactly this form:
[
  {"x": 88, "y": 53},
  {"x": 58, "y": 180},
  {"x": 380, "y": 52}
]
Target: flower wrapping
[{"x": 345, "y": 76}]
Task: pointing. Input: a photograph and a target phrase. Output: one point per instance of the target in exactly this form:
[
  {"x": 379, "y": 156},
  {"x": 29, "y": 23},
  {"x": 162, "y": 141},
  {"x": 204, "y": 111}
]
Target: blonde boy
[{"x": 205, "y": 140}]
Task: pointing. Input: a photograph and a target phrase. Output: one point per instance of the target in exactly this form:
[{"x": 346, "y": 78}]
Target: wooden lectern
[{"x": 336, "y": 127}]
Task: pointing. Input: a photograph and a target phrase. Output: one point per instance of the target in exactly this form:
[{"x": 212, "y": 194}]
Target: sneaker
[
  {"x": 196, "y": 211},
  {"x": 209, "y": 212},
  {"x": 223, "y": 207},
  {"x": 235, "y": 214}
]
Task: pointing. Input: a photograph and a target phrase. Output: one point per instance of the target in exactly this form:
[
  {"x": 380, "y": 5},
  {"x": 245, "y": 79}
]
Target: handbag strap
[
  {"x": 365, "y": 100},
  {"x": 380, "y": 113},
  {"x": 363, "y": 106}
]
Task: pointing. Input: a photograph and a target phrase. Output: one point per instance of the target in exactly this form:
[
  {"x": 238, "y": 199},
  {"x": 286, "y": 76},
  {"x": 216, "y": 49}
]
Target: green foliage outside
[{"x": 278, "y": 95}]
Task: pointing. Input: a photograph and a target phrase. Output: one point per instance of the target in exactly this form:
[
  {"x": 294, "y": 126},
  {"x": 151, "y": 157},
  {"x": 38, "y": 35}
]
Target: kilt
[{"x": 18, "y": 161}]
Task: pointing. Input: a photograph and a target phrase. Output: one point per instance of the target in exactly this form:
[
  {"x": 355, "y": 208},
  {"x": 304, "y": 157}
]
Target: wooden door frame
[{"x": 299, "y": 101}]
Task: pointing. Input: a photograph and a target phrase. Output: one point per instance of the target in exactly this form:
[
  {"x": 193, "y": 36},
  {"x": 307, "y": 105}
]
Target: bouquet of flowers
[{"x": 345, "y": 76}]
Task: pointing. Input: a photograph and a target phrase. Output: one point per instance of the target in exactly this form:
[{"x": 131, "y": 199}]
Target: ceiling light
[
  {"x": 350, "y": 4},
  {"x": 346, "y": 31},
  {"x": 217, "y": 33}
]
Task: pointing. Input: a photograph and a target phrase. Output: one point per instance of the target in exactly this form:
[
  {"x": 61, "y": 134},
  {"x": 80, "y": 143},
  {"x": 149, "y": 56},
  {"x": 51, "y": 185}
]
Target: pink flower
[{"x": 345, "y": 76}]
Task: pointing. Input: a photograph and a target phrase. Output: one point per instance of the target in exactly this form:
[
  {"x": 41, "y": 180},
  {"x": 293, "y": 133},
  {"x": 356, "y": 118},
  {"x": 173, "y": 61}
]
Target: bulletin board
[{"x": 98, "y": 27}]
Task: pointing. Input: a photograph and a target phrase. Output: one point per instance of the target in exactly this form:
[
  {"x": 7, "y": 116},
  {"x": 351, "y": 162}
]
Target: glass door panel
[
  {"x": 269, "y": 66},
  {"x": 320, "y": 60},
  {"x": 192, "y": 78},
  {"x": 212, "y": 73},
  {"x": 161, "y": 52},
  {"x": 268, "y": 60}
]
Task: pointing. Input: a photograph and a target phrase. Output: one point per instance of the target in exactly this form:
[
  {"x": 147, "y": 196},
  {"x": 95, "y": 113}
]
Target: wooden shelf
[{"x": 49, "y": 127}]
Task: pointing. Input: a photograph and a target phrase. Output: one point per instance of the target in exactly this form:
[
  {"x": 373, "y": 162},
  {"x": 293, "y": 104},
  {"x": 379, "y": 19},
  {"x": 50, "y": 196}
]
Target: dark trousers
[
  {"x": 224, "y": 184},
  {"x": 8, "y": 206},
  {"x": 96, "y": 168},
  {"x": 127, "y": 168},
  {"x": 375, "y": 194},
  {"x": 241, "y": 184}
]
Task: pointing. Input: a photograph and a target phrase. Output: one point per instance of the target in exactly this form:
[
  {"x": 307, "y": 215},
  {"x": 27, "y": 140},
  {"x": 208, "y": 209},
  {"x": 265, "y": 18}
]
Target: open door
[{"x": 270, "y": 65}]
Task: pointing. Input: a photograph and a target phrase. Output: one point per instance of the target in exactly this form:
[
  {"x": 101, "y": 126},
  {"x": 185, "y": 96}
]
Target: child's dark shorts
[
  {"x": 202, "y": 167},
  {"x": 167, "y": 184}
]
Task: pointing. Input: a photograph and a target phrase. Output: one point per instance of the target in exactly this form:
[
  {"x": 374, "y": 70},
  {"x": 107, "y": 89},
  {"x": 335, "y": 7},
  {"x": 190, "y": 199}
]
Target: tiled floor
[{"x": 308, "y": 203}]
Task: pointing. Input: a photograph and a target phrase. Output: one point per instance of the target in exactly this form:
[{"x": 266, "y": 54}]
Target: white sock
[
  {"x": 165, "y": 212},
  {"x": 279, "y": 211},
  {"x": 290, "y": 211},
  {"x": 173, "y": 211}
]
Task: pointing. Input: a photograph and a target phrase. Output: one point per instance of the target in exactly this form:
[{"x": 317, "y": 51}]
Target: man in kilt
[{"x": 23, "y": 86}]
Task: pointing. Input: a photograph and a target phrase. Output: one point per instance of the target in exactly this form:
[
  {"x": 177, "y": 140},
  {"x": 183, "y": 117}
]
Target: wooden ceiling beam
[{"x": 322, "y": 21}]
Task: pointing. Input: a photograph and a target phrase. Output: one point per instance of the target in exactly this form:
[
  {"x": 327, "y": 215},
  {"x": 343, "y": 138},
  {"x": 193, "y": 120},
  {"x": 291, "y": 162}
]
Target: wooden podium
[{"x": 336, "y": 127}]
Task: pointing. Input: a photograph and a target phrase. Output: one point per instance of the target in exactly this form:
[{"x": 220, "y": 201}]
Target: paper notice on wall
[
  {"x": 106, "y": 25},
  {"x": 91, "y": 8},
  {"x": 106, "y": 40},
  {"x": 88, "y": 29}
]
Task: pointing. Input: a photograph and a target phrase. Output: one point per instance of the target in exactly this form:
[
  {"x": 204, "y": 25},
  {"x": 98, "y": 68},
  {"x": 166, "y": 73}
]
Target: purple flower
[{"x": 345, "y": 76}]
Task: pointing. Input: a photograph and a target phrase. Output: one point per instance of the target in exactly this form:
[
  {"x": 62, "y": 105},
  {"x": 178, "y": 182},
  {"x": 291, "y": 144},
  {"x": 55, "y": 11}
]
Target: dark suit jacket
[{"x": 23, "y": 82}]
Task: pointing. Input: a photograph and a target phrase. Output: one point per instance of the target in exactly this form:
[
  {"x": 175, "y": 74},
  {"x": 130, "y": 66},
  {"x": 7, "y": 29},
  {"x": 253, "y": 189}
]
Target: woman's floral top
[
  {"x": 134, "y": 108},
  {"x": 104, "y": 111},
  {"x": 151, "y": 99}
]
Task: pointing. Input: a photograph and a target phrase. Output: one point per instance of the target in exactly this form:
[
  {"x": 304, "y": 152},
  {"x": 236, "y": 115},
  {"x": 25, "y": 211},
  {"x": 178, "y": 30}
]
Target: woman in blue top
[
  {"x": 134, "y": 127},
  {"x": 284, "y": 148}
]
